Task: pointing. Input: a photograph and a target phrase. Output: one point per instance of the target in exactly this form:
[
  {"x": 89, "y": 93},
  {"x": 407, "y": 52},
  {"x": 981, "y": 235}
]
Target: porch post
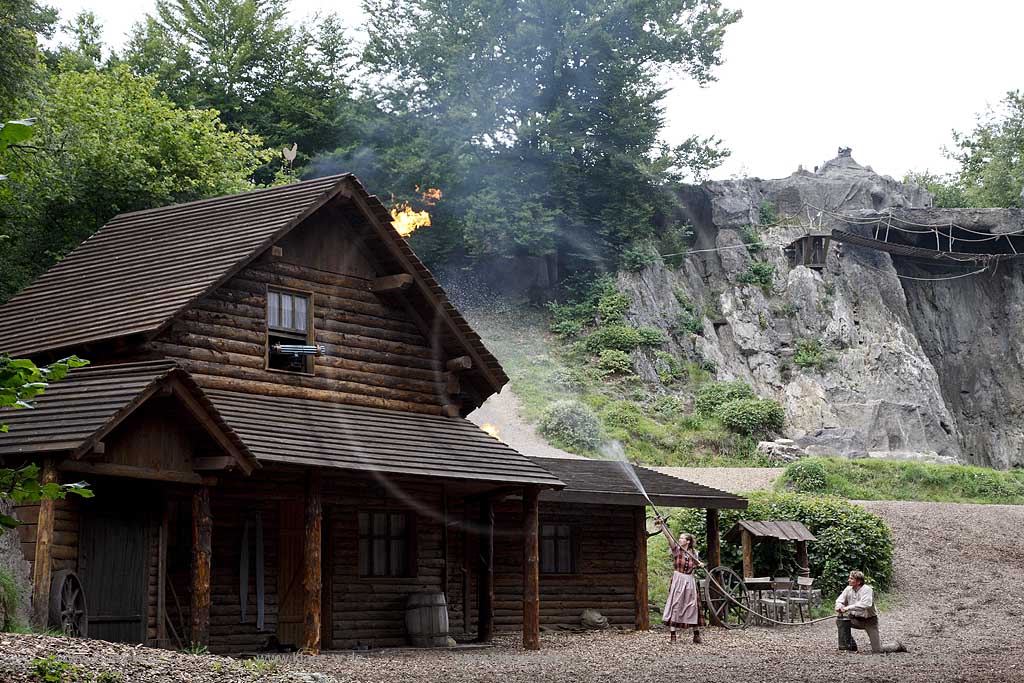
[
  {"x": 43, "y": 565},
  {"x": 748, "y": 553},
  {"x": 202, "y": 532},
  {"x": 531, "y": 569},
  {"x": 714, "y": 543},
  {"x": 801, "y": 559},
  {"x": 642, "y": 621},
  {"x": 485, "y": 612},
  {"x": 312, "y": 580}
]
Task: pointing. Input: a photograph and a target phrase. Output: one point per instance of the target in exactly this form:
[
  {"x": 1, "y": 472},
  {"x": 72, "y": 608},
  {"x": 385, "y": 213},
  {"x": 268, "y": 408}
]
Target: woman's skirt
[{"x": 682, "y": 608}]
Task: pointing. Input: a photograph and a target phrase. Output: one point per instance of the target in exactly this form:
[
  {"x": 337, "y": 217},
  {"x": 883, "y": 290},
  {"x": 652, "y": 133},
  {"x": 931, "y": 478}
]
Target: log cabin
[{"x": 274, "y": 426}]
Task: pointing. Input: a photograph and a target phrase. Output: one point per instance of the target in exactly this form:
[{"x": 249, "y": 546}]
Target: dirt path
[
  {"x": 958, "y": 573},
  {"x": 731, "y": 479}
]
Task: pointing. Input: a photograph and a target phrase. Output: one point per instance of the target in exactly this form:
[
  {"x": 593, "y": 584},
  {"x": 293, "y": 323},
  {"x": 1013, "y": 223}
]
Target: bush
[
  {"x": 759, "y": 273},
  {"x": 650, "y": 336},
  {"x": 620, "y": 337},
  {"x": 751, "y": 416},
  {"x": 714, "y": 394},
  {"x": 615, "y": 362},
  {"x": 566, "y": 329},
  {"x": 752, "y": 239},
  {"x": 571, "y": 424},
  {"x": 810, "y": 355},
  {"x": 612, "y": 307},
  {"x": 849, "y": 538},
  {"x": 667, "y": 407},
  {"x": 668, "y": 367},
  {"x": 807, "y": 475},
  {"x": 623, "y": 414},
  {"x": 639, "y": 255},
  {"x": 767, "y": 214},
  {"x": 8, "y": 600}
]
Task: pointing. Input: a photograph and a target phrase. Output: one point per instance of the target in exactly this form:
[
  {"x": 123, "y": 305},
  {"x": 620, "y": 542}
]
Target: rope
[{"x": 930, "y": 279}]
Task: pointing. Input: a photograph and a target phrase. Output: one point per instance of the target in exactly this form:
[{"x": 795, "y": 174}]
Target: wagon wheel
[
  {"x": 730, "y": 605},
  {"x": 67, "y": 604}
]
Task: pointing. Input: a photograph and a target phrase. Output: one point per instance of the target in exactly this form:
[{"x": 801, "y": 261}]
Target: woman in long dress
[{"x": 682, "y": 608}]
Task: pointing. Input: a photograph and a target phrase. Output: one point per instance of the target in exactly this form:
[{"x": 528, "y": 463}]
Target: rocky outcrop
[{"x": 864, "y": 361}]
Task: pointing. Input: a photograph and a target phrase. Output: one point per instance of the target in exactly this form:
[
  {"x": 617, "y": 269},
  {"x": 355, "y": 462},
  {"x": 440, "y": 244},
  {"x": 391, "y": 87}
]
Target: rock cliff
[{"x": 865, "y": 359}]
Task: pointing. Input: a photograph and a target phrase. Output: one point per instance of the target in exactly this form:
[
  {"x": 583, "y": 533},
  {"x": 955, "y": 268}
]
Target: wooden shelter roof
[
  {"x": 295, "y": 431},
  {"x": 72, "y": 415},
  {"x": 778, "y": 530},
  {"x": 142, "y": 268},
  {"x": 606, "y": 482}
]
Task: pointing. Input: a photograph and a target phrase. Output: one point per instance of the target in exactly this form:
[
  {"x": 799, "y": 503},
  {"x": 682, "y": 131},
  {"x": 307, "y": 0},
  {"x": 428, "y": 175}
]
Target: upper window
[
  {"x": 384, "y": 540},
  {"x": 289, "y": 323},
  {"x": 557, "y": 549}
]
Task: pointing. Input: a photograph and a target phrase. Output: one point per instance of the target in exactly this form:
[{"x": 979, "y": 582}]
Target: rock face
[
  {"x": 864, "y": 361},
  {"x": 12, "y": 562}
]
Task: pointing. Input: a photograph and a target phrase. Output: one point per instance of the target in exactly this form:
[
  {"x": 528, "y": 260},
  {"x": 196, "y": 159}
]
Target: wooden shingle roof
[
  {"x": 295, "y": 431},
  {"x": 774, "y": 529},
  {"x": 79, "y": 410},
  {"x": 606, "y": 482},
  {"x": 142, "y": 268}
]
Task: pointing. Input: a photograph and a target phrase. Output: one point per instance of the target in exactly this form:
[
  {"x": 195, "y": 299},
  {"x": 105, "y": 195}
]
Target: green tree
[
  {"x": 104, "y": 145},
  {"x": 242, "y": 59},
  {"x": 85, "y": 50},
  {"x": 21, "y": 381},
  {"x": 21, "y": 21},
  {"x": 546, "y": 113}
]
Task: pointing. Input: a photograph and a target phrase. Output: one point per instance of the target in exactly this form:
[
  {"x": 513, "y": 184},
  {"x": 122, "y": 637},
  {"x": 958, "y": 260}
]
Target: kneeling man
[{"x": 856, "y": 609}]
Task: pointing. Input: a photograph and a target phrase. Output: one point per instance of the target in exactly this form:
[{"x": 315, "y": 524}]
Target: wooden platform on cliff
[{"x": 919, "y": 252}]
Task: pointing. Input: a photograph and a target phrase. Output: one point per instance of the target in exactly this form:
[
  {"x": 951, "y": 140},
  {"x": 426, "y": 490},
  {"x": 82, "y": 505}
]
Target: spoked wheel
[
  {"x": 730, "y": 604},
  {"x": 67, "y": 604}
]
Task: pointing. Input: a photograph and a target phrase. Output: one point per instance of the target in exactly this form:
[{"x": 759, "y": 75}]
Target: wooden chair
[
  {"x": 760, "y": 587},
  {"x": 777, "y": 604},
  {"x": 802, "y": 600}
]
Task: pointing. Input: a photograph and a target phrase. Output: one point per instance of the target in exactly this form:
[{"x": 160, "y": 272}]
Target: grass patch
[{"x": 871, "y": 479}]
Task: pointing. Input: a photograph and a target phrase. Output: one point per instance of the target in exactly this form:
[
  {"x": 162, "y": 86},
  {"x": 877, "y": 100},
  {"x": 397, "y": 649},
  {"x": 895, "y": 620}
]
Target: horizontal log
[
  {"x": 208, "y": 355},
  {"x": 307, "y": 382},
  {"x": 390, "y": 284},
  {"x": 132, "y": 472},
  {"x": 203, "y": 323},
  {"x": 460, "y": 363},
  {"x": 214, "y": 343},
  {"x": 274, "y": 389},
  {"x": 302, "y": 277}
]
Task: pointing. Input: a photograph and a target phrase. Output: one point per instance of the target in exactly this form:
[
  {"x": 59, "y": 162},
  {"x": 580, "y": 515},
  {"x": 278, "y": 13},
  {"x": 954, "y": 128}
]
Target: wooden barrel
[{"x": 426, "y": 620}]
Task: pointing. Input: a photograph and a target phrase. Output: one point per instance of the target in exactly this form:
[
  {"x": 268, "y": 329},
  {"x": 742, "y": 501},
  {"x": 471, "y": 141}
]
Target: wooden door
[
  {"x": 112, "y": 566},
  {"x": 290, "y": 627}
]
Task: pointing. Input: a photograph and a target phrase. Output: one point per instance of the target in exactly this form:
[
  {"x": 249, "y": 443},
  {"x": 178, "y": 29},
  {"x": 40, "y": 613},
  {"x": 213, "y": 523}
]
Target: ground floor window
[
  {"x": 384, "y": 542},
  {"x": 557, "y": 549}
]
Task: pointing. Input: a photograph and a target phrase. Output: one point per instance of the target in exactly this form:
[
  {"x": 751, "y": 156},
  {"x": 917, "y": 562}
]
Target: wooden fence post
[
  {"x": 485, "y": 611},
  {"x": 312, "y": 580},
  {"x": 714, "y": 553},
  {"x": 202, "y": 533},
  {"x": 531, "y": 569},
  {"x": 748, "y": 553},
  {"x": 42, "y": 568}
]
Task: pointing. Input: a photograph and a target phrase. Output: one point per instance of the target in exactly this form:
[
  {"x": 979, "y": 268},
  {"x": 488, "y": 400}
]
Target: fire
[
  {"x": 405, "y": 219},
  {"x": 491, "y": 430}
]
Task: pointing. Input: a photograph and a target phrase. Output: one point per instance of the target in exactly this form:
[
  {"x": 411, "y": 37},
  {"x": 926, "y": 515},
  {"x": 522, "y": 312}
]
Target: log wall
[
  {"x": 375, "y": 353},
  {"x": 604, "y": 578}
]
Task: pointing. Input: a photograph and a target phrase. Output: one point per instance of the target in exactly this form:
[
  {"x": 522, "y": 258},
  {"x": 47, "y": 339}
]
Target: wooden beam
[
  {"x": 161, "y": 575},
  {"x": 42, "y": 567},
  {"x": 217, "y": 462},
  {"x": 444, "y": 543},
  {"x": 132, "y": 472},
  {"x": 801, "y": 559},
  {"x": 531, "y": 568},
  {"x": 451, "y": 410},
  {"x": 311, "y": 569},
  {"x": 246, "y": 463},
  {"x": 641, "y": 599},
  {"x": 714, "y": 552},
  {"x": 99, "y": 448},
  {"x": 459, "y": 363},
  {"x": 485, "y": 606},
  {"x": 747, "y": 540},
  {"x": 202, "y": 553},
  {"x": 390, "y": 284}
]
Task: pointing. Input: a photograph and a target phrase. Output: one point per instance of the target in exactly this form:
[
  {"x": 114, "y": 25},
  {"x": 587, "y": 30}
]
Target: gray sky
[{"x": 890, "y": 78}]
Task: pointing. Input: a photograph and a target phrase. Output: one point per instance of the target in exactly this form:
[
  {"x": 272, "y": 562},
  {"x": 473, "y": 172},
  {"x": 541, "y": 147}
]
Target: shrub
[
  {"x": 759, "y": 273},
  {"x": 621, "y": 337},
  {"x": 751, "y": 416},
  {"x": 807, "y": 475},
  {"x": 566, "y": 329},
  {"x": 615, "y": 362},
  {"x": 714, "y": 394},
  {"x": 8, "y": 600},
  {"x": 568, "y": 320},
  {"x": 688, "y": 322},
  {"x": 612, "y": 307},
  {"x": 810, "y": 355},
  {"x": 639, "y": 255},
  {"x": 668, "y": 367},
  {"x": 572, "y": 424},
  {"x": 849, "y": 538},
  {"x": 624, "y": 414},
  {"x": 53, "y": 670},
  {"x": 752, "y": 239},
  {"x": 650, "y": 336},
  {"x": 713, "y": 304},
  {"x": 667, "y": 407},
  {"x": 768, "y": 214}
]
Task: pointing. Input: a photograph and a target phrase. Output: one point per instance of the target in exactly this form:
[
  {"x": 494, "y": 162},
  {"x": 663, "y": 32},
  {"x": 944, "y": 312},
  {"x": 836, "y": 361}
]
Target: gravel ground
[
  {"x": 731, "y": 479},
  {"x": 958, "y": 571}
]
